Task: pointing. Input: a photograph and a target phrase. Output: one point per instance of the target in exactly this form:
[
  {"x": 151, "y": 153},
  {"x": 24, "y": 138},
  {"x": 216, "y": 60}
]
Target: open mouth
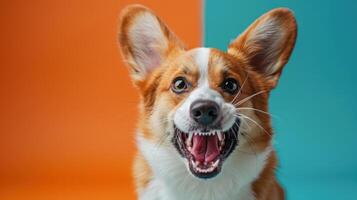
[{"x": 206, "y": 150}]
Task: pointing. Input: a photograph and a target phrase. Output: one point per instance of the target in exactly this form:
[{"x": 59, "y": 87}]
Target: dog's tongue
[{"x": 205, "y": 148}]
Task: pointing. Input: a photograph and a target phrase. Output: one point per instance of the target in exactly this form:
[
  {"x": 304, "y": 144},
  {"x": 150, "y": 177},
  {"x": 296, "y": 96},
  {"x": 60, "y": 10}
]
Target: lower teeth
[{"x": 213, "y": 165}]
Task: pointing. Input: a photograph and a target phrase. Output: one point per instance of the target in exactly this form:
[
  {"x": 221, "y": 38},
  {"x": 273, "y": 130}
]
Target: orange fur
[{"x": 142, "y": 173}]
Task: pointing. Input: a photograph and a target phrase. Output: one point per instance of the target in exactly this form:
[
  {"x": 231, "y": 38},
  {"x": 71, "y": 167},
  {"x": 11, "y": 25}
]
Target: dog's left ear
[
  {"x": 267, "y": 44},
  {"x": 145, "y": 41}
]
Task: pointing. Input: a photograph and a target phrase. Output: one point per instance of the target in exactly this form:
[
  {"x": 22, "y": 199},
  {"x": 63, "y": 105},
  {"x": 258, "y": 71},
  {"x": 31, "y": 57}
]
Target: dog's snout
[{"x": 205, "y": 112}]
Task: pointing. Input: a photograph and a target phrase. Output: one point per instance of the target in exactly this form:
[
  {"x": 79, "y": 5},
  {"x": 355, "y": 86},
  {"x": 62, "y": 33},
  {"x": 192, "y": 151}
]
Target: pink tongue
[{"x": 205, "y": 148}]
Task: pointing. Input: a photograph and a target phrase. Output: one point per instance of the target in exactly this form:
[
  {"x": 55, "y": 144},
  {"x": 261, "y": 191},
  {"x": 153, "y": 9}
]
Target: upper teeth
[
  {"x": 189, "y": 140},
  {"x": 212, "y": 132},
  {"x": 219, "y": 134}
]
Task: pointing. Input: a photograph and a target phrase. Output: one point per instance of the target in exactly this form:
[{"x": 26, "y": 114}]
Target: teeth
[
  {"x": 210, "y": 169},
  {"x": 213, "y": 166},
  {"x": 212, "y": 132},
  {"x": 189, "y": 140},
  {"x": 219, "y": 134}
]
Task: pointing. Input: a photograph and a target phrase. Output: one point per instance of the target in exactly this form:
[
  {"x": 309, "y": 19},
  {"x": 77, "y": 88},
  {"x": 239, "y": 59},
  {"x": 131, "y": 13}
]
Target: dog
[{"x": 204, "y": 129}]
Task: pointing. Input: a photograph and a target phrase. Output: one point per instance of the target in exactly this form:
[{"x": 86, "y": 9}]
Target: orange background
[{"x": 68, "y": 108}]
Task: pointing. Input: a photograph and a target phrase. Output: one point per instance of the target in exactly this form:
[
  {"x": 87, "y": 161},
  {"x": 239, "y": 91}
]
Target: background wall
[
  {"x": 315, "y": 101},
  {"x": 67, "y": 106}
]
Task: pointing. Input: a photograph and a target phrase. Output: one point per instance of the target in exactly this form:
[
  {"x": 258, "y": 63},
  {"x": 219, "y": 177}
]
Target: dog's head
[{"x": 205, "y": 102}]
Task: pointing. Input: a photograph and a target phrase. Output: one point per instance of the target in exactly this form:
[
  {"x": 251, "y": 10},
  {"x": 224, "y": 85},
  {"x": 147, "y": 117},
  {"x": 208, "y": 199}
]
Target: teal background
[{"x": 315, "y": 101}]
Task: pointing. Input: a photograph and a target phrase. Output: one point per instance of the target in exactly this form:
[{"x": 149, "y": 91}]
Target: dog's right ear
[{"x": 145, "y": 41}]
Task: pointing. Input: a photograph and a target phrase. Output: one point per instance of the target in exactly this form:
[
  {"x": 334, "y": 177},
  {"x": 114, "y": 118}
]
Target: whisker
[
  {"x": 240, "y": 90},
  {"x": 243, "y": 135},
  {"x": 244, "y": 128},
  {"x": 258, "y": 110},
  {"x": 248, "y": 98},
  {"x": 238, "y": 127},
  {"x": 250, "y": 142},
  {"x": 256, "y": 123}
]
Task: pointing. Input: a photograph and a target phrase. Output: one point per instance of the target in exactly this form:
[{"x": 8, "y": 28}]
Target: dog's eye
[
  {"x": 230, "y": 85},
  {"x": 179, "y": 85}
]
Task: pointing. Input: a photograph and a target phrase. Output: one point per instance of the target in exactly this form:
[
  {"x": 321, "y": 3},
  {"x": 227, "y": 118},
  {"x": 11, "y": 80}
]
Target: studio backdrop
[{"x": 68, "y": 108}]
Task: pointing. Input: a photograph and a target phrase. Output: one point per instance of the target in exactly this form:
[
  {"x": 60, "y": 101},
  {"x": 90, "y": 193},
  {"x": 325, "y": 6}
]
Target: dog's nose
[{"x": 204, "y": 112}]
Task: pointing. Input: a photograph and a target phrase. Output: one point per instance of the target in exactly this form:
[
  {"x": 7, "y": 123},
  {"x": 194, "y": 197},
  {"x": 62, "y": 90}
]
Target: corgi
[{"x": 204, "y": 129}]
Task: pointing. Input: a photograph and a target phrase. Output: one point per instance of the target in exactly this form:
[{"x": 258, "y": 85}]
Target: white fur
[
  {"x": 203, "y": 91},
  {"x": 202, "y": 59},
  {"x": 172, "y": 181}
]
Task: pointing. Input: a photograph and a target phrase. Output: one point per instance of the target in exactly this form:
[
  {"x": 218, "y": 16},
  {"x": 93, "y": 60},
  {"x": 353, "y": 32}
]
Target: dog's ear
[
  {"x": 267, "y": 44},
  {"x": 145, "y": 41}
]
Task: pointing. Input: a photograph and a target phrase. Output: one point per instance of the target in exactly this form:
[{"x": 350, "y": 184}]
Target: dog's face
[{"x": 205, "y": 102}]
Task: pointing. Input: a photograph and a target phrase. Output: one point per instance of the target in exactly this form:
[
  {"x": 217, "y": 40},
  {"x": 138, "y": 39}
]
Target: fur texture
[{"x": 255, "y": 60}]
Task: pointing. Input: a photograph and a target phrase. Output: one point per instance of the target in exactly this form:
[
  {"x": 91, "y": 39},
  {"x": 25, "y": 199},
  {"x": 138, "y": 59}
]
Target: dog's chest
[{"x": 157, "y": 190}]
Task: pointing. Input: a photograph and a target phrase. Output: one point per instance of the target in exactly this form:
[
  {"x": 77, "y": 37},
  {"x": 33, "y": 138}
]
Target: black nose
[{"x": 204, "y": 112}]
